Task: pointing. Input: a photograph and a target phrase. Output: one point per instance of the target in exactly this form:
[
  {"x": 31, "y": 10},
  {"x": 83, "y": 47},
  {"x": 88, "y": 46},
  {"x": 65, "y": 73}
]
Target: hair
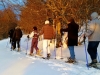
[
  {"x": 71, "y": 19},
  {"x": 35, "y": 28},
  {"x": 51, "y": 21}
]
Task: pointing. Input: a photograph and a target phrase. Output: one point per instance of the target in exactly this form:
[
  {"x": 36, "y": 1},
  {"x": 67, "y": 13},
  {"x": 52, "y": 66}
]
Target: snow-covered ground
[{"x": 18, "y": 63}]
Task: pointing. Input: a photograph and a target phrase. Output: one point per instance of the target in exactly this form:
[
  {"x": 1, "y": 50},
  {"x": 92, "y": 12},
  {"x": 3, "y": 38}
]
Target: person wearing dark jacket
[
  {"x": 72, "y": 39},
  {"x": 10, "y": 34},
  {"x": 17, "y": 37}
]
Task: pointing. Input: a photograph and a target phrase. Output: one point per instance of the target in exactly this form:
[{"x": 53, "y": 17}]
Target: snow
[{"x": 18, "y": 63}]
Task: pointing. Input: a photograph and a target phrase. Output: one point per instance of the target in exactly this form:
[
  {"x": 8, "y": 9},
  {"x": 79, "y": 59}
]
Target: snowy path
[{"x": 15, "y": 63}]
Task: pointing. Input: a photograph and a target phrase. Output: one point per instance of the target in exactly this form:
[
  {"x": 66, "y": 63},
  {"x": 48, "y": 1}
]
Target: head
[
  {"x": 94, "y": 15},
  {"x": 35, "y": 28},
  {"x": 50, "y": 20},
  {"x": 17, "y": 27},
  {"x": 47, "y": 22},
  {"x": 70, "y": 19}
]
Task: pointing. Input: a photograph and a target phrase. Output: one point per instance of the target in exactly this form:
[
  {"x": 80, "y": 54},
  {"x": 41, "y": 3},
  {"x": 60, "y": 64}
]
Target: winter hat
[
  {"x": 94, "y": 15},
  {"x": 46, "y": 22}
]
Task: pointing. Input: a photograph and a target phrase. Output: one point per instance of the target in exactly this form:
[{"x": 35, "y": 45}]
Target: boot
[
  {"x": 38, "y": 53},
  {"x": 31, "y": 54},
  {"x": 93, "y": 63},
  {"x": 18, "y": 49},
  {"x": 70, "y": 60},
  {"x": 48, "y": 56}
]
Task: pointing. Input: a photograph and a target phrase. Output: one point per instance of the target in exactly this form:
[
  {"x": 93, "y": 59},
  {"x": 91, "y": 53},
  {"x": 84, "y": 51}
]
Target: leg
[
  {"x": 14, "y": 44},
  {"x": 35, "y": 45},
  {"x": 72, "y": 53},
  {"x": 92, "y": 49},
  {"x": 44, "y": 48},
  {"x": 32, "y": 46},
  {"x": 18, "y": 44}
]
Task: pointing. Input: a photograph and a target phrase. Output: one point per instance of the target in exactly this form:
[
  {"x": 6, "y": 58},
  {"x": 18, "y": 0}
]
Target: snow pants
[
  {"x": 46, "y": 47},
  {"x": 92, "y": 49},
  {"x": 34, "y": 45}
]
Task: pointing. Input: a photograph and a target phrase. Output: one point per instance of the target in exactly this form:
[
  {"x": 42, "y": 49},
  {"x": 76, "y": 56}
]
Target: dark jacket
[
  {"x": 17, "y": 33},
  {"x": 10, "y": 33},
  {"x": 72, "y": 34}
]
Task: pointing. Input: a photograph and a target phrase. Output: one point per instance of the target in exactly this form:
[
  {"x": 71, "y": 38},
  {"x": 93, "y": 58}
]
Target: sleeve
[
  {"x": 41, "y": 32},
  {"x": 90, "y": 29},
  {"x": 31, "y": 34}
]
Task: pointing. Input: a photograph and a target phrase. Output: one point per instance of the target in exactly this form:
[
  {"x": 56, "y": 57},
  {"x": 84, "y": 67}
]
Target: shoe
[
  {"x": 70, "y": 60},
  {"x": 38, "y": 53},
  {"x": 48, "y": 56},
  {"x": 13, "y": 48},
  {"x": 31, "y": 54},
  {"x": 18, "y": 49},
  {"x": 93, "y": 63},
  {"x": 44, "y": 58}
]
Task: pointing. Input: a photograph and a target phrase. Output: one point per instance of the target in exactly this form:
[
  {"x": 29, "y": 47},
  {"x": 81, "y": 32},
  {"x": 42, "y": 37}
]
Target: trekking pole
[
  {"x": 86, "y": 53},
  {"x": 27, "y": 46},
  {"x": 7, "y": 44},
  {"x": 54, "y": 49},
  {"x": 98, "y": 57},
  {"x": 61, "y": 49}
]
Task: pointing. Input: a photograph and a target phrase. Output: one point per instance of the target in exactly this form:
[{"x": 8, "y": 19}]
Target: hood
[{"x": 94, "y": 15}]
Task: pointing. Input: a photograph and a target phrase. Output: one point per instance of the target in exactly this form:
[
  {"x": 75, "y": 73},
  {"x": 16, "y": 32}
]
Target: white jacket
[{"x": 93, "y": 31}]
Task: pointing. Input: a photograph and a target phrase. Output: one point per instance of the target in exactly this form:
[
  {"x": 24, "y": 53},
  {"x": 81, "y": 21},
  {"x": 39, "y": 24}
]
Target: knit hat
[
  {"x": 94, "y": 15},
  {"x": 46, "y": 22}
]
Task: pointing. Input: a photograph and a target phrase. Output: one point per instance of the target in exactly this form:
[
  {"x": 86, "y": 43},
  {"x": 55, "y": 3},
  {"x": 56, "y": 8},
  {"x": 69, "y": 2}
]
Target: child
[{"x": 34, "y": 43}]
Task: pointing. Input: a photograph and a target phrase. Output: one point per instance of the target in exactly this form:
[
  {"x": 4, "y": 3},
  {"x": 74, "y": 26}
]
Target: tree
[
  {"x": 33, "y": 14},
  {"x": 80, "y": 10},
  {"x": 8, "y": 20}
]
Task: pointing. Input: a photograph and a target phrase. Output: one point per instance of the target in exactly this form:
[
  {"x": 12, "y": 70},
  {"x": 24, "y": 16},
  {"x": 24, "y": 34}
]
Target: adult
[
  {"x": 72, "y": 39},
  {"x": 10, "y": 34},
  {"x": 48, "y": 34},
  {"x": 17, "y": 37},
  {"x": 93, "y": 34}
]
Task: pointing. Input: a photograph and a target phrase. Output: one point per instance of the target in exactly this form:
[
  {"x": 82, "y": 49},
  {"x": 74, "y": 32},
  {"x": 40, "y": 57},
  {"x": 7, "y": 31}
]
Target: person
[
  {"x": 48, "y": 34},
  {"x": 72, "y": 39},
  {"x": 17, "y": 37},
  {"x": 63, "y": 35},
  {"x": 34, "y": 35},
  {"x": 10, "y": 34},
  {"x": 93, "y": 34}
]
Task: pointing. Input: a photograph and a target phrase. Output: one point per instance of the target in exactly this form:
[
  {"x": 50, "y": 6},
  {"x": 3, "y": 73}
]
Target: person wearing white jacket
[{"x": 93, "y": 34}]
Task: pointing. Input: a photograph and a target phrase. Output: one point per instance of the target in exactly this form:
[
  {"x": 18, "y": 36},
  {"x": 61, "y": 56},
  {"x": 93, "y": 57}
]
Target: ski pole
[
  {"x": 61, "y": 50},
  {"x": 27, "y": 46},
  {"x": 98, "y": 57},
  {"x": 54, "y": 49},
  {"x": 86, "y": 53},
  {"x": 7, "y": 44}
]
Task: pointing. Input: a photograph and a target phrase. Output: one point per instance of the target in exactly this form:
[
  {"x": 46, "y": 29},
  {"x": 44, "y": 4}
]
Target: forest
[{"x": 34, "y": 12}]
